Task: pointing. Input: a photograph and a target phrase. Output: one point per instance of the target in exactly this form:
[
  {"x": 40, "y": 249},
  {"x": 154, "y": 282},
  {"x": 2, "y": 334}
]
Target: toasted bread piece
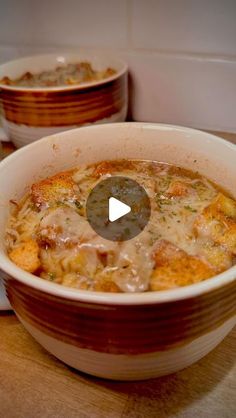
[
  {"x": 103, "y": 284},
  {"x": 106, "y": 285},
  {"x": 109, "y": 167},
  {"x": 218, "y": 222},
  {"x": 165, "y": 251},
  {"x": 178, "y": 188},
  {"x": 57, "y": 188},
  {"x": 224, "y": 205},
  {"x": 26, "y": 256},
  {"x": 174, "y": 268},
  {"x": 217, "y": 256},
  {"x": 105, "y": 167}
]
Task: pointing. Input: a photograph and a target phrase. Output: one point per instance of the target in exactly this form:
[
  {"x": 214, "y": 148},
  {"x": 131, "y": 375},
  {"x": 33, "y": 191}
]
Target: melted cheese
[{"x": 71, "y": 253}]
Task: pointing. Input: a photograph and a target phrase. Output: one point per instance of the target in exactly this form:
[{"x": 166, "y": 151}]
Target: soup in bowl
[
  {"x": 46, "y": 94},
  {"x": 188, "y": 236},
  {"x": 126, "y": 308}
]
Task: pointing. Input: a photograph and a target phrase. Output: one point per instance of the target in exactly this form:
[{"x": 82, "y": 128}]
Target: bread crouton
[
  {"x": 218, "y": 222},
  {"x": 105, "y": 167},
  {"x": 106, "y": 286},
  {"x": 109, "y": 167},
  {"x": 178, "y": 188},
  {"x": 217, "y": 256},
  {"x": 174, "y": 268},
  {"x": 26, "y": 256},
  {"x": 56, "y": 188},
  {"x": 225, "y": 205}
]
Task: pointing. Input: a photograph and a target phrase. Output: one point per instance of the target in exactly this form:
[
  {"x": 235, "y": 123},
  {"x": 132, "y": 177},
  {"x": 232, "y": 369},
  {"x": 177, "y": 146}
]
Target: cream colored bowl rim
[
  {"x": 89, "y": 54},
  {"x": 190, "y": 291}
]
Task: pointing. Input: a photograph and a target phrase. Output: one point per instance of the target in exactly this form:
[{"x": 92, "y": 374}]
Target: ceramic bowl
[
  {"x": 31, "y": 113},
  {"x": 121, "y": 336}
]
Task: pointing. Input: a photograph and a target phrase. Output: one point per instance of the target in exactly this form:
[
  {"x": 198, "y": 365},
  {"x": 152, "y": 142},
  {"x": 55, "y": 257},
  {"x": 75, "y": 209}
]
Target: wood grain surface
[{"x": 34, "y": 384}]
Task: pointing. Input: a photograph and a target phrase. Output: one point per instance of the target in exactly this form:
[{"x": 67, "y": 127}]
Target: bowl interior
[
  {"x": 211, "y": 156},
  {"x": 38, "y": 63}
]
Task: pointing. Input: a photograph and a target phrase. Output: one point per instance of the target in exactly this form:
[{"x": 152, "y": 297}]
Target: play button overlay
[{"x": 118, "y": 208}]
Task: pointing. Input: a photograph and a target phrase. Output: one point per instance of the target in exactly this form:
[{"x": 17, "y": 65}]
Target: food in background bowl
[
  {"x": 190, "y": 237},
  {"x": 32, "y": 110},
  {"x": 70, "y": 74},
  {"x": 126, "y": 336}
]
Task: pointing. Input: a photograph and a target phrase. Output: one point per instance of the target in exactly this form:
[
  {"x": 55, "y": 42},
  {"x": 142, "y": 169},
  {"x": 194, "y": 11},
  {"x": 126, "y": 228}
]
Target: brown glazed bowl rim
[
  {"x": 151, "y": 297},
  {"x": 89, "y": 55}
]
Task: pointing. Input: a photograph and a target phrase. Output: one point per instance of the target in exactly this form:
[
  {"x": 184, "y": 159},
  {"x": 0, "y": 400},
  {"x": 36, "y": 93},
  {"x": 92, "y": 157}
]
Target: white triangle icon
[{"x": 117, "y": 209}]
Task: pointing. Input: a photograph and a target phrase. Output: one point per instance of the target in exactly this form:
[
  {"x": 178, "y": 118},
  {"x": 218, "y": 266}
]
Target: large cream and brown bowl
[
  {"x": 121, "y": 336},
  {"x": 34, "y": 112}
]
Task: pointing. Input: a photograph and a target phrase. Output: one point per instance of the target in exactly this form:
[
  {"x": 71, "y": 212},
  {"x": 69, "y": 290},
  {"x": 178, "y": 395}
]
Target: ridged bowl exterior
[
  {"x": 120, "y": 329},
  {"x": 30, "y": 114},
  {"x": 114, "y": 335},
  {"x": 126, "y": 342}
]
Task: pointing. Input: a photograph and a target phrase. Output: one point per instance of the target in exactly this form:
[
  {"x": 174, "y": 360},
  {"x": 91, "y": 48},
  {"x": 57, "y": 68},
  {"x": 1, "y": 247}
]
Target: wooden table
[{"x": 34, "y": 384}]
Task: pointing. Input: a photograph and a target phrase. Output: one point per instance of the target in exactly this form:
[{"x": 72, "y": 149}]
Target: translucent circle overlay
[{"x": 126, "y": 190}]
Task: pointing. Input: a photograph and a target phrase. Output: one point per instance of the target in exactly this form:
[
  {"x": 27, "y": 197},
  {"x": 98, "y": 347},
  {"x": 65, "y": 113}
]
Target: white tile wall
[
  {"x": 198, "y": 26},
  {"x": 16, "y": 21},
  {"x": 181, "y": 53},
  {"x": 64, "y": 22},
  {"x": 183, "y": 90}
]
